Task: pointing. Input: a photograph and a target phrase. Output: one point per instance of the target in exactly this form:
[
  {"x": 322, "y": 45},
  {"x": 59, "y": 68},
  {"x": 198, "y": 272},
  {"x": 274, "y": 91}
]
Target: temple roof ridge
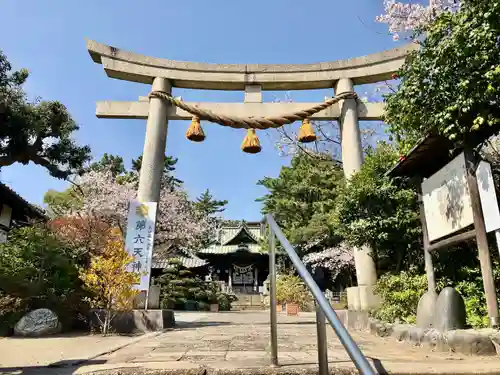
[{"x": 242, "y": 227}]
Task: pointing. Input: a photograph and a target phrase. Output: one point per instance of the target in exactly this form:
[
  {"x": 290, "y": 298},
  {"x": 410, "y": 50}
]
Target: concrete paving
[
  {"x": 238, "y": 342},
  {"x": 49, "y": 351}
]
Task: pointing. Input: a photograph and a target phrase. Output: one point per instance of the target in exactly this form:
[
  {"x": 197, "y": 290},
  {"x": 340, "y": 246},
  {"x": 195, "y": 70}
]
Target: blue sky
[{"x": 48, "y": 38}]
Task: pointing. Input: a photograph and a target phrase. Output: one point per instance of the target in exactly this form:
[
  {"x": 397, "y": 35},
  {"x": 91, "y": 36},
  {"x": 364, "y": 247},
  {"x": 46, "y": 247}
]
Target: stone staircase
[{"x": 248, "y": 302}]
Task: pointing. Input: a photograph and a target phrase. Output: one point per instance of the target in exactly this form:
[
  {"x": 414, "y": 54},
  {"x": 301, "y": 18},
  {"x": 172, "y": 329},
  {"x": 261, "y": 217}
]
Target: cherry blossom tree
[
  {"x": 178, "y": 224},
  {"x": 337, "y": 259},
  {"x": 405, "y": 17}
]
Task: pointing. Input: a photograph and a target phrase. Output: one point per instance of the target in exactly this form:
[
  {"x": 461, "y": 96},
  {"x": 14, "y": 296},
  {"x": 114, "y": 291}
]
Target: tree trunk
[{"x": 107, "y": 319}]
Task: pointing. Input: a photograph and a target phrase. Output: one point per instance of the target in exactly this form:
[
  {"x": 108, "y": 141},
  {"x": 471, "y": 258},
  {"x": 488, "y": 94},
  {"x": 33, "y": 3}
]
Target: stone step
[
  {"x": 228, "y": 368},
  {"x": 247, "y": 308}
]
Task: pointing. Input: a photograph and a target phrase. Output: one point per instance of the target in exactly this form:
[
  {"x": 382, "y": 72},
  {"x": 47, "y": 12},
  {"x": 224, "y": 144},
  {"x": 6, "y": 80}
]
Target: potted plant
[
  {"x": 292, "y": 291},
  {"x": 281, "y": 295},
  {"x": 214, "y": 302},
  {"x": 225, "y": 300},
  {"x": 212, "y": 293}
]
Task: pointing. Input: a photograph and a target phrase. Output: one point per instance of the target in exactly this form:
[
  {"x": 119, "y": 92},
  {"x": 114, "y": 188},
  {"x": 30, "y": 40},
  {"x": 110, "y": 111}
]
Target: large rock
[
  {"x": 426, "y": 308},
  {"x": 40, "y": 322},
  {"x": 471, "y": 342},
  {"x": 449, "y": 313},
  {"x": 467, "y": 343},
  {"x": 380, "y": 329}
]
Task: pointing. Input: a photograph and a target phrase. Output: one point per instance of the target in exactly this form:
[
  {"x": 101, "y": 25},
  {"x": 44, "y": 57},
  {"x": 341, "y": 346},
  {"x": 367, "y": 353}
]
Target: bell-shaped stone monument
[{"x": 449, "y": 313}]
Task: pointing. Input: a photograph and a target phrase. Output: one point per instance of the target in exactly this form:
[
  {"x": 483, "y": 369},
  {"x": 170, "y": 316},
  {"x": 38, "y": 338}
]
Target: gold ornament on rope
[
  {"x": 306, "y": 132},
  {"x": 251, "y": 143},
  {"x": 195, "y": 131}
]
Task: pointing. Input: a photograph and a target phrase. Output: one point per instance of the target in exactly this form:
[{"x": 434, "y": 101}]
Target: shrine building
[{"x": 235, "y": 259}]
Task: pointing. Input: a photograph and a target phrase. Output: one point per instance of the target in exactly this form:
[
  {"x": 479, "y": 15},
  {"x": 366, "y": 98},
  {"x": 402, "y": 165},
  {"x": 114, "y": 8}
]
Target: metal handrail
[{"x": 345, "y": 338}]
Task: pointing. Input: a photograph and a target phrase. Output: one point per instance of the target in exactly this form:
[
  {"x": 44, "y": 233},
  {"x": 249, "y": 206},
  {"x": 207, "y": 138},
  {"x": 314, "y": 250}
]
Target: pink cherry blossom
[
  {"x": 177, "y": 223},
  {"x": 405, "y": 17},
  {"x": 336, "y": 259}
]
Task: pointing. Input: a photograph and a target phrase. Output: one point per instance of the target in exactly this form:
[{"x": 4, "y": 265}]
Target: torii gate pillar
[
  {"x": 154, "y": 145},
  {"x": 352, "y": 152},
  {"x": 360, "y": 297}
]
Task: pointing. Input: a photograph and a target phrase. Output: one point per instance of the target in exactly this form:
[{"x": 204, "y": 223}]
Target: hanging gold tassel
[
  {"x": 306, "y": 132},
  {"x": 195, "y": 131},
  {"x": 251, "y": 143}
]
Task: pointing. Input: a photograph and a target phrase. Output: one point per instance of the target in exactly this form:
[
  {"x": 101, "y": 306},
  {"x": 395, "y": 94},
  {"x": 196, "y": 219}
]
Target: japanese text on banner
[{"x": 140, "y": 239}]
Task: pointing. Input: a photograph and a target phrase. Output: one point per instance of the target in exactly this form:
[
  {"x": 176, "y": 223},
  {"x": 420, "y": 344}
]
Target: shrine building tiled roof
[
  {"x": 243, "y": 237},
  {"x": 228, "y": 249},
  {"x": 188, "y": 262}
]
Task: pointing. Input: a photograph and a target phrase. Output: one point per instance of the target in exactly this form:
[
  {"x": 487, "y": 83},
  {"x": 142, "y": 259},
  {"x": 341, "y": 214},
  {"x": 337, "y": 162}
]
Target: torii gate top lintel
[{"x": 135, "y": 67}]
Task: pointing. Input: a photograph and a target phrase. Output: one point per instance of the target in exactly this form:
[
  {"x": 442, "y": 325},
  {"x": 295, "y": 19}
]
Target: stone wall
[{"x": 467, "y": 341}]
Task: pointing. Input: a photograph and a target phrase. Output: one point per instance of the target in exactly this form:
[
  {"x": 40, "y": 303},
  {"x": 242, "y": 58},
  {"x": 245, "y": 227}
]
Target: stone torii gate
[{"x": 163, "y": 75}]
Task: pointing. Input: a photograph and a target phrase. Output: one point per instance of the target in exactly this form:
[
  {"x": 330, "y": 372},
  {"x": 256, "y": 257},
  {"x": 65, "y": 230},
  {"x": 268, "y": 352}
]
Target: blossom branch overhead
[{"x": 404, "y": 18}]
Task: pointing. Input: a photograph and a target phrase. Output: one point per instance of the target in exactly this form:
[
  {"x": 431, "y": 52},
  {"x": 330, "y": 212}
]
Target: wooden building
[
  {"x": 15, "y": 211},
  {"x": 235, "y": 259}
]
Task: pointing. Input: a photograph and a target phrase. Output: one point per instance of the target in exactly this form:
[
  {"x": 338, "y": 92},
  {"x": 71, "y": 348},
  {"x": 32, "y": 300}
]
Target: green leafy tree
[
  {"x": 375, "y": 210},
  {"x": 38, "y": 132},
  {"x": 207, "y": 205},
  {"x": 183, "y": 290},
  {"x": 168, "y": 168},
  {"x": 180, "y": 288},
  {"x": 451, "y": 85},
  {"x": 302, "y": 196},
  {"x": 59, "y": 203},
  {"x": 109, "y": 162}
]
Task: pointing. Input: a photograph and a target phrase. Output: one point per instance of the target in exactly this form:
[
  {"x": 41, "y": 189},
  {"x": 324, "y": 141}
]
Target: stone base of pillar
[
  {"x": 362, "y": 298},
  {"x": 153, "y": 299},
  {"x": 139, "y": 301}
]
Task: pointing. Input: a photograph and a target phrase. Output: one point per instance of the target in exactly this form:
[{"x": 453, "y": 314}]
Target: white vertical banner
[
  {"x": 488, "y": 196},
  {"x": 140, "y": 238}
]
